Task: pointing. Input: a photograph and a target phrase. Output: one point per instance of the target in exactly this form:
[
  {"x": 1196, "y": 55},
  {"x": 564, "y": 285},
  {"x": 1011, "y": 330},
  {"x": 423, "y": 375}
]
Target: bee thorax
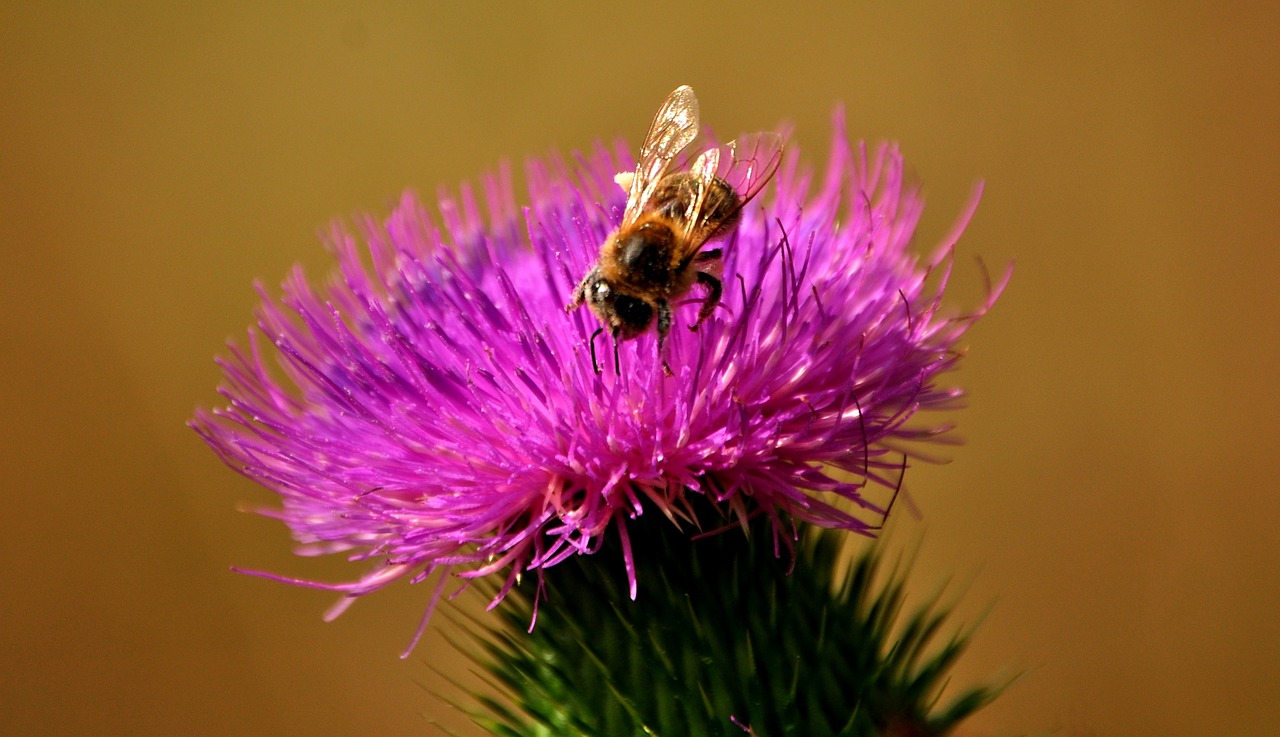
[{"x": 644, "y": 255}]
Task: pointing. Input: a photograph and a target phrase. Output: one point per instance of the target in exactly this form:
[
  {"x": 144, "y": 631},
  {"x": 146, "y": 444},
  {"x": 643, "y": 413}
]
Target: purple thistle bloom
[{"x": 439, "y": 409}]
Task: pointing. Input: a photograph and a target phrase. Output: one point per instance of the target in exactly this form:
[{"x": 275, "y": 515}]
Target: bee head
[{"x": 625, "y": 315}]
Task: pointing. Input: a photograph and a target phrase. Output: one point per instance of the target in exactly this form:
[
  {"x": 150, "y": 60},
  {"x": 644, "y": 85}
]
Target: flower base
[{"x": 728, "y": 636}]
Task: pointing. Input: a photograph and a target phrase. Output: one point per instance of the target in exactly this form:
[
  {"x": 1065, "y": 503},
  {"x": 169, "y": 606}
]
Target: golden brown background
[{"x": 1113, "y": 511}]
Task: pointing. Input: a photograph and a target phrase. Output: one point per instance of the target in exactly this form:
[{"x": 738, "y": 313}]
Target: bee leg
[
  {"x": 595, "y": 366},
  {"x": 580, "y": 291},
  {"x": 713, "y": 297},
  {"x": 664, "y": 327},
  {"x": 712, "y": 254}
]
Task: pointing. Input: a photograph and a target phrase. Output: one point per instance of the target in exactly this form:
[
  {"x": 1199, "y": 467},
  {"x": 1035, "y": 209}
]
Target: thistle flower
[{"x": 437, "y": 409}]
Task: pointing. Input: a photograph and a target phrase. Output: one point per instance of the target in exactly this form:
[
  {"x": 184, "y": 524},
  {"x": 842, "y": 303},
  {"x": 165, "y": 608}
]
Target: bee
[{"x": 656, "y": 256}]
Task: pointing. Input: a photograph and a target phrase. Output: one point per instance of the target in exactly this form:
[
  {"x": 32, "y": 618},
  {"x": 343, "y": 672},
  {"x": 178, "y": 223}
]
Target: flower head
[{"x": 434, "y": 407}]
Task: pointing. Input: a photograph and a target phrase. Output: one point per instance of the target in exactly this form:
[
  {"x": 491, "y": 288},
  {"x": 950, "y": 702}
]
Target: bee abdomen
[{"x": 720, "y": 204}]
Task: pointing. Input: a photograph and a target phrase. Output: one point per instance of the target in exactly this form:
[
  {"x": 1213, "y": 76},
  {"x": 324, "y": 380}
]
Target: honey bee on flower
[{"x": 656, "y": 255}]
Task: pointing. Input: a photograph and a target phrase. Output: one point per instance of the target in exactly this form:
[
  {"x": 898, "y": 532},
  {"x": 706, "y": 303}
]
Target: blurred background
[{"x": 1110, "y": 518}]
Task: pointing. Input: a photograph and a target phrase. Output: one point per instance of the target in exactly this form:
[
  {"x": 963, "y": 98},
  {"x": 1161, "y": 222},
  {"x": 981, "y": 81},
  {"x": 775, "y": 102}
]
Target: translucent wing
[
  {"x": 706, "y": 165},
  {"x": 749, "y": 162},
  {"x": 746, "y": 165},
  {"x": 673, "y": 128}
]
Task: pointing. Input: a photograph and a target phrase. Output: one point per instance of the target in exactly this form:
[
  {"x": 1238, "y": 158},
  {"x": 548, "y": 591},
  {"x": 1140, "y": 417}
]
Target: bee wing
[
  {"x": 706, "y": 165},
  {"x": 746, "y": 165},
  {"x": 673, "y": 128},
  {"x": 749, "y": 162}
]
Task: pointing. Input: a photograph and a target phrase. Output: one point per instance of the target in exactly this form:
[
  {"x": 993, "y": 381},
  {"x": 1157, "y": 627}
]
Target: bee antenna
[{"x": 595, "y": 365}]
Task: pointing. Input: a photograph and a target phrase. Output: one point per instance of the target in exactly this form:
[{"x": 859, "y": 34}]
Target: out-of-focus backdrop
[{"x": 1112, "y": 513}]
